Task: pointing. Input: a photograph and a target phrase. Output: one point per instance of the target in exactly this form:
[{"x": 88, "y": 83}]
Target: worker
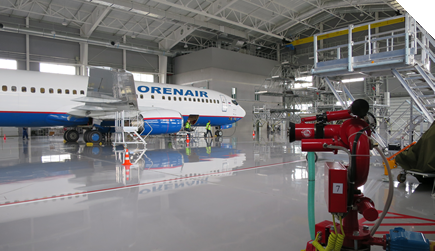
[
  {"x": 208, "y": 128},
  {"x": 187, "y": 126},
  {"x": 25, "y": 135}
]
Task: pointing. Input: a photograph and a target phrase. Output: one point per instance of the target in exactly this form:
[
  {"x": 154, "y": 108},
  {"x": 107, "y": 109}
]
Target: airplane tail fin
[{"x": 109, "y": 90}]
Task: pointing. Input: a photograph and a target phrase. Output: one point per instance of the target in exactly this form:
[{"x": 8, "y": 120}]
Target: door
[{"x": 224, "y": 103}]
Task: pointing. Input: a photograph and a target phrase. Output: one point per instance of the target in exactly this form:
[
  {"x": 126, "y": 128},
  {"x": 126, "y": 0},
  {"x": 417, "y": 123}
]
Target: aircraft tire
[
  {"x": 95, "y": 137},
  {"x": 219, "y": 133},
  {"x": 85, "y": 136},
  {"x": 72, "y": 136},
  {"x": 65, "y": 133}
]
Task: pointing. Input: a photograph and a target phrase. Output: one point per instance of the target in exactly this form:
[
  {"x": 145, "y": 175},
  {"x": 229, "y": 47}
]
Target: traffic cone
[
  {"x": 187, "y": 139},
  {"x": 127, "y": 159},
  {"x": 4, "y": 137},
  {"x": 253, "y": 134}
]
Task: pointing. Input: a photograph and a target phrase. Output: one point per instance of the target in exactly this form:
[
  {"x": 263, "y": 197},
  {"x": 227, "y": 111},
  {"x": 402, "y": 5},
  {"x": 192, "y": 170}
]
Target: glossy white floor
[{"x": 215, "y": 195}]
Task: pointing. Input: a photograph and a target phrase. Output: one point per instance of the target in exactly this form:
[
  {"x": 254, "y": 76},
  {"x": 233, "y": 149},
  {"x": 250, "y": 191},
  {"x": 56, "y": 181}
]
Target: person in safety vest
[
  {"x": 187, "y": 126},
  {"x": 208, "y": 128}
]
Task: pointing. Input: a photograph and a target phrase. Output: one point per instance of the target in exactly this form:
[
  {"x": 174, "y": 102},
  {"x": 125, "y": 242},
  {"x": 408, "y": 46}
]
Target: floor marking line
[{"x": 141, "y": 184}]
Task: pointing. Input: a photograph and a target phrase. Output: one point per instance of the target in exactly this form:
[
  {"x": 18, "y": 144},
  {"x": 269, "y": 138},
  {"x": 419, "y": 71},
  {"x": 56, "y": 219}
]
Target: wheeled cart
[{"x": 402, "y": 178}]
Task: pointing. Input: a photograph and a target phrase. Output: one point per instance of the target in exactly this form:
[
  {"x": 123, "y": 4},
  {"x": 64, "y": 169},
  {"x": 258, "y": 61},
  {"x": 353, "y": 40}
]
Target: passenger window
[
  {"x": 74, "y": 92},
  {"x": 202, "y": 100},
  {"x": 32, "y": 90},
  {"x": 169, "y": 98},
  {"x": 14, "y": 88},
  {"x": 175, "y": 98},
  {"x": 66, "y": 91},
  {"x": 23, "y": 89},
  {"x": 179, "y": 98},
  {"x": 190, "y": 99},
  {"x": 152, "y": 96},
  {"x": 51, "y": 90},
  {"x": 206, "y": 100},
  {"x": 59, "y": 91},
  {"x": 218, "y": 101},
  {"x": 194, "y": 99},
  {"x": 42, "y": 90},
  {"x": 163, "y": 97},
  {"x": 82, "y": 92},
  {"x": 4, "y": 88},
  {"x": 185, "y": 99},
  {"x": 141, "y": 96}
]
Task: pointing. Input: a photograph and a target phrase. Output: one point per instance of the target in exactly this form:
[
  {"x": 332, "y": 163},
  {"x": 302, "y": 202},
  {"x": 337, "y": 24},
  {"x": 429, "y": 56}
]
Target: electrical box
[{"x": 336, "y": 187}]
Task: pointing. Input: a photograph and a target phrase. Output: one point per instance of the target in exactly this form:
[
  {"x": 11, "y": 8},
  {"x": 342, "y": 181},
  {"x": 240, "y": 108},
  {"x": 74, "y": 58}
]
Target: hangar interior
[{"x": 281, "y": 60}]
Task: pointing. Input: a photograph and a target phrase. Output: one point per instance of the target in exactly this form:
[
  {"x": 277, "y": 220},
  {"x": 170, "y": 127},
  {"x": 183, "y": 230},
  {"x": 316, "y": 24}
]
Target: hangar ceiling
[{"x": 177, "y": 25}]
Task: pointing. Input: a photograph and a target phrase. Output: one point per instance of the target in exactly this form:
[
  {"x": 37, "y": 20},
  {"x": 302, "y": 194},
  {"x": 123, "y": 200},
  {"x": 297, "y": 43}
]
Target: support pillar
[
  {"x": 84, "y": 59},
  {"x": 163, "y": 69}
]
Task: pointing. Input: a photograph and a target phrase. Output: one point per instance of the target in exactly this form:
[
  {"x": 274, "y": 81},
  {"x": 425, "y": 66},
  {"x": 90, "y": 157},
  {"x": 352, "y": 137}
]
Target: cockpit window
[{"x": 234, "y": 102}]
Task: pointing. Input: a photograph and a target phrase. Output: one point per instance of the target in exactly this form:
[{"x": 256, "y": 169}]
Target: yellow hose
[{"x": 340, "y": 237}]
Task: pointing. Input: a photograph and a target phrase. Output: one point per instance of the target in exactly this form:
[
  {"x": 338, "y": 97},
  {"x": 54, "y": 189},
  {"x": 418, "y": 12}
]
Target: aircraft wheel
[
  {"x": 95, "y": 137},
  {"x": 71, "y": 135},
  {"x": 219, "y": 133},
  {"x": 65, "y": 133},
  {"x": 85, "y": 136},
  {"x": 401, "y": 177}
]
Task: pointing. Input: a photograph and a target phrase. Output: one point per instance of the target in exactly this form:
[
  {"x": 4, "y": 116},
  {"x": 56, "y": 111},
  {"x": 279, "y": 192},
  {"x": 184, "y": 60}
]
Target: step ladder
[
  {"x": 129, "y": 125},
  {"x": 420, "y": 84}
]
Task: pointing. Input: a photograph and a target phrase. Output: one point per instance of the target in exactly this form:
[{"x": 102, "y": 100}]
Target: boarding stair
[
  {"x": 129, "y": 126},
  {"x": 405, "y": 52}
]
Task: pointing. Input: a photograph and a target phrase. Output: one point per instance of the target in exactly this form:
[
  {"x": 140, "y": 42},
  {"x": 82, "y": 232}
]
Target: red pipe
[
  {"x": 330, "y": 116},
  {"x": 317, "y": 145},
  {"x": 348, "y": 133}
]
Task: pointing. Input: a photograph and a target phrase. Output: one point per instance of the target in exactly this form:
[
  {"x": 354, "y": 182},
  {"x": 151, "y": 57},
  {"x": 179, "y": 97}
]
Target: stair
[{"x": 417, "y": 80}]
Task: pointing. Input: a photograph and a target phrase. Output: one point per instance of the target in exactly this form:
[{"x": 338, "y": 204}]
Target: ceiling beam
[
  {"x": 147, "y": 10},
  {"x": 94, "y": 20},
  {"x": 175, "y": 37},
  {"x": 203, "y": 13}
]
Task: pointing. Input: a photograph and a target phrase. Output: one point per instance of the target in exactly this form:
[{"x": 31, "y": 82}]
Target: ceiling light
[
  {"x": 53, "y": 33},
  {"x": 352, "y": 80},
  {"x": 185, "y": 46},
  {"x": 361, "y": 15},
  {"x": 133, "y": 36},
  {"x": 64, "y": 23}
]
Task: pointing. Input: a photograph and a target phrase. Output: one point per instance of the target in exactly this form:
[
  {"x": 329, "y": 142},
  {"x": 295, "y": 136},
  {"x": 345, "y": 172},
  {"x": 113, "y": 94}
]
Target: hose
[
  {"x": 311, "y": 190},
  {"x": 390, "y": 194},
  {"x": 340, "y": 237}
]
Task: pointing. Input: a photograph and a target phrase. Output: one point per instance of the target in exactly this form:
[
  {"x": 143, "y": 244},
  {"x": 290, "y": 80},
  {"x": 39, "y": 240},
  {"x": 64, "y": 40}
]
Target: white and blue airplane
[{"x": 35, "y": 99}]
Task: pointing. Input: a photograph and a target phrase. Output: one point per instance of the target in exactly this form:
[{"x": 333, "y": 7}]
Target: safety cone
[
  {"x": 253, "y": 134},
  {"x": 127, "y": 159},
  {"x": 187, "y": 139},
  {"x": 4, "y": 137}
]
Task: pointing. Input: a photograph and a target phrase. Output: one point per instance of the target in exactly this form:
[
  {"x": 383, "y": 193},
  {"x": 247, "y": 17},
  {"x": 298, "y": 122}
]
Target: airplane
[{"x": 35, "y": 99}]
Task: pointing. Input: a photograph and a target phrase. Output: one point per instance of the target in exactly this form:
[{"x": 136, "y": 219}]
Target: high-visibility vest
[
  {"x": 187, "y": 125},
  {"x": 208, "y": 127}
]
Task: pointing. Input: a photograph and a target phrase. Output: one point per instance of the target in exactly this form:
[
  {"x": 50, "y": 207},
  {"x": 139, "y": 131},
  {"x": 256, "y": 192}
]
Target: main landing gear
[
  {"x": 219, "y": 133},
  {"x": 90, "y": 136}
]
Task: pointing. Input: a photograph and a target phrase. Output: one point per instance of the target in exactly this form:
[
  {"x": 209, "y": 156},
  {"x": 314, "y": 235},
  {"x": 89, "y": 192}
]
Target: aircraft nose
[{"x": 242, "y": 112}]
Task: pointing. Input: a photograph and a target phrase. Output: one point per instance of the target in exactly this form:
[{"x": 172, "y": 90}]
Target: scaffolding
[
  {"x": 405, "y": 53},
  {"x": 129, "y": 126}
]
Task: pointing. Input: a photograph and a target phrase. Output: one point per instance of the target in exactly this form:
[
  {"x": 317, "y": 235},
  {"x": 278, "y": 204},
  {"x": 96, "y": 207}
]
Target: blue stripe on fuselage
[{"x": 39, "y": 119}]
